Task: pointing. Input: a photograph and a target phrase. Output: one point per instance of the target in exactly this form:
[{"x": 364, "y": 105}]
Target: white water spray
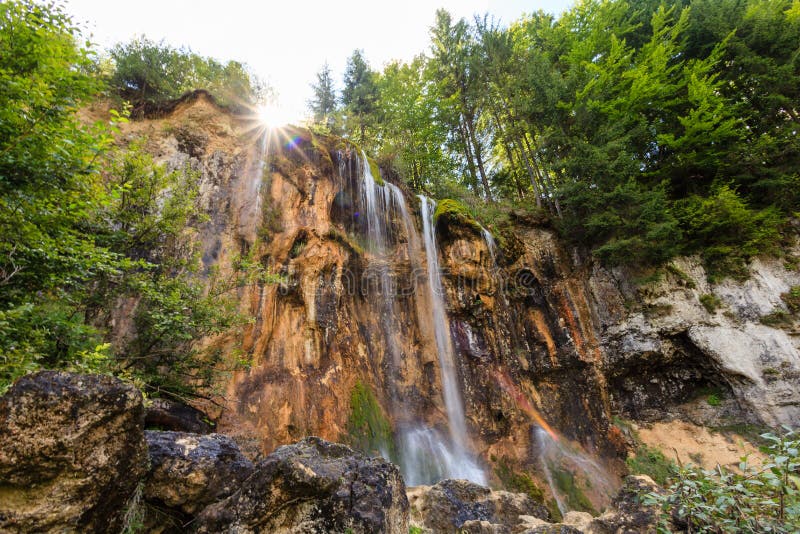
[
  {"x": 559, "y": 454},
  {"x": 444, "y": 347}
]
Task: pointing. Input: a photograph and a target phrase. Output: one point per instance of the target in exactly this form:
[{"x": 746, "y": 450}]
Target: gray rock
[
  {"x": 190, "y": 471},
  {"x": 454, "y": 505},
  {"x": 314, "y": 486},
  {"x": 72, "y": 452}
]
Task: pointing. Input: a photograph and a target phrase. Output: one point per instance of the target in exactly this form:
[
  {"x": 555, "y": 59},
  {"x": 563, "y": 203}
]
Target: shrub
[
  {"x": 710, "y": 302},
  {"x": 792, "y": 299},
  {"x": 726, "y": 231},
  {"x": 756, "y": 498},
  {"x": 149, "y": 72}
]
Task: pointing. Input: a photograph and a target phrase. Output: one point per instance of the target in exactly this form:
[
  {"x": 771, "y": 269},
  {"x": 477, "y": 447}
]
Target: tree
[
  {"x": 323, "y": 103},
  {"x": 148, "y": 72},
  {"x": 49, "y": 190},
  {"x": 359, "y": 94},
  {"x": 452, "y": 69}
]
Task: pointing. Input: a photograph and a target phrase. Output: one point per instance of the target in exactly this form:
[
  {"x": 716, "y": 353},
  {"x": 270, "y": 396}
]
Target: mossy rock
[
  {"x": 455, "y": 215},
  {"x": 345, "y": 240},
  {"x": 368, "y": 428}
]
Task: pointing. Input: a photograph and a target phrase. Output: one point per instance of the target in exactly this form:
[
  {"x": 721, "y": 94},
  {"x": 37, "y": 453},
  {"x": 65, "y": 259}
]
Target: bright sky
[{"x": 287, "y": 42}]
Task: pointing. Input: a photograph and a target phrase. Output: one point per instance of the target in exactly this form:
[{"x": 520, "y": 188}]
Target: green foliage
[
  {"x": 345, "y": 240},
  {"x": 323, "y": 103},
  {"x": 710, "y": 302},
  {"x": 151, "y": 72},
  {"x": 50, "y": 194},
  {"x": 415, "y": 530},
  {"x": 777, "y": 319},
  {"x": 755, "y": 498},
  {"x": 635, "y": 223},
  {"x": 359, "y": 95},
  {"x": 726, "y": 231},
  {"x": 682, "y": 277},
  {"x": 651, "y": 462},
  {"x": 792, "y": 299},
  {"x": 368, "y": 429},
  {"x": 643, "y": 133},
  {"x": 517, "y": 481}
]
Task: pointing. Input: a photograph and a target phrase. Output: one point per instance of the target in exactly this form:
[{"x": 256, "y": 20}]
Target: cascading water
[
  {"x": 250, "y": 214},
  {"x": 458, "y": 462},
  {"x": 557, "y": 454},
  {"x": 426, "y": 456}
]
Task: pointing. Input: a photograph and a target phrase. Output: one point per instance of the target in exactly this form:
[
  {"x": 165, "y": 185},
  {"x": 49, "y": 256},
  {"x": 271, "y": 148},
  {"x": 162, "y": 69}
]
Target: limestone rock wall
[{"x": 574, "y": 341}]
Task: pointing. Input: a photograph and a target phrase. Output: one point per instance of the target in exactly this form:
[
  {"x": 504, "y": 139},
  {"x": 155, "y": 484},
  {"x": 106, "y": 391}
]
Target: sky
[{"x": 286, "y": 43}]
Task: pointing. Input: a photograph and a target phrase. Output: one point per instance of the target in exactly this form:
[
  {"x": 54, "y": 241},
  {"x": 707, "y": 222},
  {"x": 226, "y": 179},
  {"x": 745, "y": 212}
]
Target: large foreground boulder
[
  {"x": 190, "y": 471},
  {"x": 314, "y": 486},
  {"x": 72, "y": 452},
  {"x": 454, "y": 506}
]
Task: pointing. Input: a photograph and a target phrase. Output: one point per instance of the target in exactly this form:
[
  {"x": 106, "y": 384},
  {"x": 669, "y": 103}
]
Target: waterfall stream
[{"x": 426, "y": 455}]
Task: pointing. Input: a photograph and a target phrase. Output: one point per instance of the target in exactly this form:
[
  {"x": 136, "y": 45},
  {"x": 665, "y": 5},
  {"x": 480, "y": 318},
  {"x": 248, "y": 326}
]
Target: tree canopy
[{"x": 636, "y": 126}]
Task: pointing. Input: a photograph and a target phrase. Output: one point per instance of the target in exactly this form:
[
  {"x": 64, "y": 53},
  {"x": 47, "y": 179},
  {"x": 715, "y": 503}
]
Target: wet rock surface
[
  {"x": 72, "y": 452},
  {"x": 453, "y": 506},
  {"x": 190, "y": 471},
  {"x": 314, "y": 487},
  {"x": 165, "y": 414}
]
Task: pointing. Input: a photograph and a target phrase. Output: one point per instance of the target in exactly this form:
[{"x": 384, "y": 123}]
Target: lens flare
[
  {"x": 272, "y": 116},
  {"x": 522, "y": 402}
]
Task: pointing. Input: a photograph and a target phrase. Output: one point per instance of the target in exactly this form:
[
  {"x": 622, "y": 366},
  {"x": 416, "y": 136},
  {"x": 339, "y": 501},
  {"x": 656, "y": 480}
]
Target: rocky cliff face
[{"x": 535, "y": 333}]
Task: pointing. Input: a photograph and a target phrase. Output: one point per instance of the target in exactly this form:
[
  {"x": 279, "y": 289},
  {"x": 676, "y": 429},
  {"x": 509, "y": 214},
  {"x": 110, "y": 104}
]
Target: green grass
[
  {"x": 777, "y": 319},
  {"x": 792, "y": 299},
  {"x": 345, "y": 240},
  {"x": 651, "y": 462},
  {"x": 684, "y": 278},
  {"x": 710, "y": 302}
]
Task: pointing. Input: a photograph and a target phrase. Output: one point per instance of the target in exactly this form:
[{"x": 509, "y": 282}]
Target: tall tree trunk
[
  {"x": 552, "y": 198},
  {"x": 479, "y": 160},
  {"x": 509, "y": 154},
  {"x": 470, "y": 159},
  {"x": 531, "y": 174}
]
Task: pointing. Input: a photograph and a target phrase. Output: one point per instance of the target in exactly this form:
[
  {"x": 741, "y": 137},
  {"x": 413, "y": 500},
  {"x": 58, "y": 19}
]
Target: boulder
[
  {"x": 628, "y": 515},
  {"x": 457, "y": 505},
  {"x": 165, "y": 414},
  {"x": 190, "y": 471},
  {"x": 314, "y": 486},
  {"x": 72, "y": 452}
]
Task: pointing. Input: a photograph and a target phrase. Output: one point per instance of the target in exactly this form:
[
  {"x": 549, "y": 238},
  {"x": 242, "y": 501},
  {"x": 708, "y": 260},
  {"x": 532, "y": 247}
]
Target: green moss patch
[
  {"x": 651, "y": 462},
  {"x": 368, "y": 428},
  {"x": 453, "y": 212},
  {"x": 568, "y": 486},
  {"x": 513, "y": 479}
]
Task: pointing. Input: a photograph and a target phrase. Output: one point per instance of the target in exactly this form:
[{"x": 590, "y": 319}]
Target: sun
[{"x": 272, "y": 116}]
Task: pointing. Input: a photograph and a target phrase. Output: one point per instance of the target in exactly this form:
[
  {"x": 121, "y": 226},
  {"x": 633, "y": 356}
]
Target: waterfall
[
  {"x": 558, "y": 454},
  {"x": 441, "y": 328},
  {"x": 462, "y": 464},
  {"x": 426, "y": 456},
  {"x": 377, "y": 202},
  {"x": 250, "y": 214}
]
